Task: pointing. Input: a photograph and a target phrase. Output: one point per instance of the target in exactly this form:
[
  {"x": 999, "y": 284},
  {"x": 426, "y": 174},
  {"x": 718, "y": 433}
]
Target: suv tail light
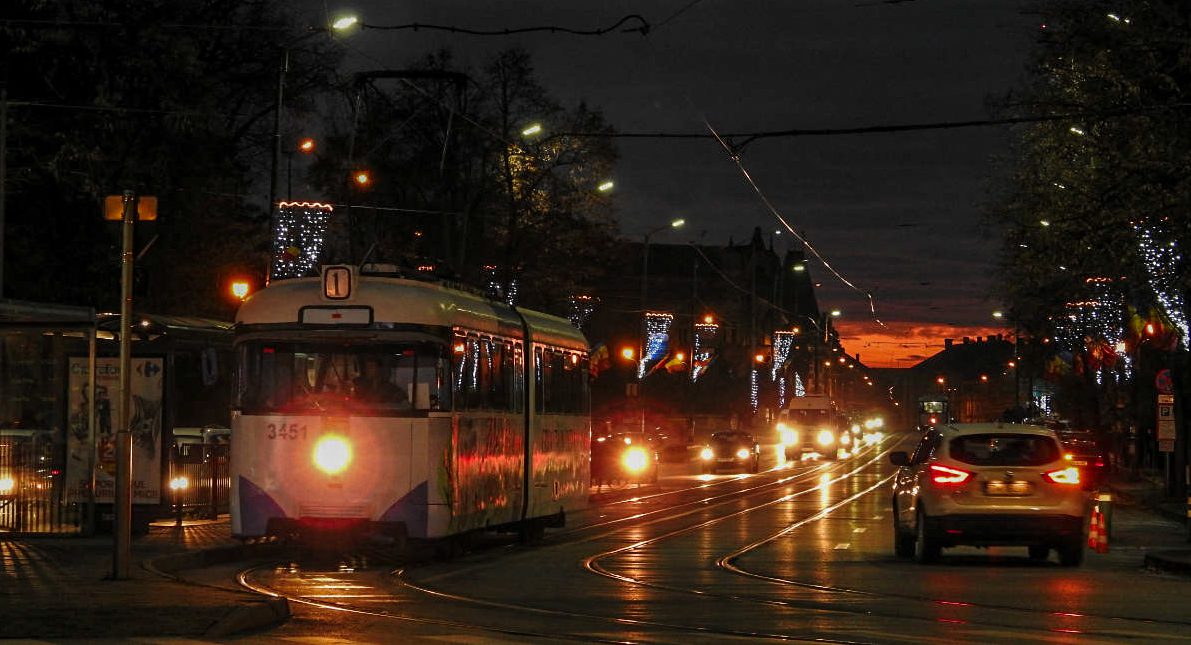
[
  {"x": 946, "y": 475},
  {"x": 1064, "y": 476}
]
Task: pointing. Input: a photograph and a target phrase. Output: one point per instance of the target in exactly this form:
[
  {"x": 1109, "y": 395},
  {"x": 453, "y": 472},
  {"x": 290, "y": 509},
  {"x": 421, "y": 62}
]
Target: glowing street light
[
  {"x": 606, "y": 186},
  {"x": 306, "y": 146},
  {"x": 239, "y": 289},
  {"x": 345, "y": 22},
  {"x": 532, "y": 130}
]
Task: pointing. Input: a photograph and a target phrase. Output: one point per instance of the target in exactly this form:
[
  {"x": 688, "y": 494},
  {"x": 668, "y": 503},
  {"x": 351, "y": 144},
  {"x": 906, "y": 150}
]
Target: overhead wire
[
  {"x": 642, "y": 28},
  {"x": 734, "y": 155}
]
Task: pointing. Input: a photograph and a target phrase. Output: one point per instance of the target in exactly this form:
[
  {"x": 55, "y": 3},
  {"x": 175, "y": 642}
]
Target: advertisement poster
[{"x": 147, "y": 389}]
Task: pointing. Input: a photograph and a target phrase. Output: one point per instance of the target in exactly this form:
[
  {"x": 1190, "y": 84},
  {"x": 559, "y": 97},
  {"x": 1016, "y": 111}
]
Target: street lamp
[
  {"x": 676, "y": 223},
  {"x": 341, "y": 24}
]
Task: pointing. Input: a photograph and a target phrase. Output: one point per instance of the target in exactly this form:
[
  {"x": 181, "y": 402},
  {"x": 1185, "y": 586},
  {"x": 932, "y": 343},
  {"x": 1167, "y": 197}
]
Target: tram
[
  {"x": 372, "y": 404},
  {"x": 933, "y": 409}
]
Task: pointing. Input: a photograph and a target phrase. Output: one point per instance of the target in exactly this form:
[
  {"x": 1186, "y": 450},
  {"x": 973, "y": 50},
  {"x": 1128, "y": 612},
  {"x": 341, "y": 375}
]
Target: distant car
[
  {"x": 626, "y": 457},
  {"x": 988, "y": 484},
  {"x": 1084, "y": 451},
  {"x": 731, "y": 449}
]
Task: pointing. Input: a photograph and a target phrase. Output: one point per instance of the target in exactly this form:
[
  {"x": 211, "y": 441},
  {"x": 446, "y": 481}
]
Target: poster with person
[{"x": 147, "y": 389}]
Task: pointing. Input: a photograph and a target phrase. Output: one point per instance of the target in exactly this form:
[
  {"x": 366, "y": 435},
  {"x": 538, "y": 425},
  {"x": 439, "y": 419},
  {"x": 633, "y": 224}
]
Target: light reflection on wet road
[{"x": 791, "y": 554}]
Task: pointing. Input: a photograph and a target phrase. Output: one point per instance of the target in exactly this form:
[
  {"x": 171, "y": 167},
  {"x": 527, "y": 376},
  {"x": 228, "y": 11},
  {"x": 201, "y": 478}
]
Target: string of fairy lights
[
  {"x": 657, "y": 338},
  {"x": 1160, "y": 261},
  {"x": 299, "y": 238},
  {"x": 706, "y": 334}
]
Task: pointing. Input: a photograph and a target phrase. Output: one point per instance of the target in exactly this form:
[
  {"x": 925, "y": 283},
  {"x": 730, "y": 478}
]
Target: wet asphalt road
[{"x": 798, "y": 552}]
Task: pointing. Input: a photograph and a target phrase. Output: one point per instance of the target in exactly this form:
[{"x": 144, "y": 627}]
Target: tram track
[
  {"x": 247, "y": 577},
  {"x": 728, "y": 563}
]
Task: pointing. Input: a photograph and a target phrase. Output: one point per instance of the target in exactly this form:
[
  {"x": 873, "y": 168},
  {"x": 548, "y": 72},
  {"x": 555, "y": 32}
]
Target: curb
[
  {"x": 169, "y": 565},
  {"x": 254, "y": 612},
  {"x": 257, "y": 615},
  {"x": 1178, "y": 562}
]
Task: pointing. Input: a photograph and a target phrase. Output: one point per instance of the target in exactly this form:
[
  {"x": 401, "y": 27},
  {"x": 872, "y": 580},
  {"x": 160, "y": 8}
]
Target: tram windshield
[{"x": 364, "y": 379}]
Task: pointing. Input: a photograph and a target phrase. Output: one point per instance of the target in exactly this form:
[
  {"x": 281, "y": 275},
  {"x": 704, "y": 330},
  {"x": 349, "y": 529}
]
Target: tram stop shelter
[{"x": 59, "y": 398}]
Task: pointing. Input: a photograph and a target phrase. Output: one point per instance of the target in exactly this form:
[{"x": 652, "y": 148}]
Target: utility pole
[
  {"x": 3, "y": 173},
  {"x": 122, "y": 530}
]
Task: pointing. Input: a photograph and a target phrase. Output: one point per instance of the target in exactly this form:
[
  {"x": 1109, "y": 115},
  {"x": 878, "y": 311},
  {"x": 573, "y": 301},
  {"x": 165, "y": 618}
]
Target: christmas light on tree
[
  {"x": 799, "y": 388},
  {"x": 1161, "y": 261},
  {"x": 299, "y": 238},
  {"x": 581, "y": 309}
]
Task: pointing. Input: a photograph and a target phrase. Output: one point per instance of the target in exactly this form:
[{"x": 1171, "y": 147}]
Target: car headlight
[
  {"x": 743, "y": 453},
  {"x": 332, "y": 454},
  {"x": 706, "y": 454},
  {"x": 635, "y": 460},
  {"x": 845, "y": 439},
  {"x": 825, "y": 438}
]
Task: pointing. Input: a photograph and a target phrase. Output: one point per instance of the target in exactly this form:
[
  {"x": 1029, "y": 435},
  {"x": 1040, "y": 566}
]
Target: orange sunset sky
[{"x": 902, "y": 344}]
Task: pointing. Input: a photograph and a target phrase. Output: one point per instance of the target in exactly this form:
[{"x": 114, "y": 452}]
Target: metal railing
[{"x": 32, "y": 496}]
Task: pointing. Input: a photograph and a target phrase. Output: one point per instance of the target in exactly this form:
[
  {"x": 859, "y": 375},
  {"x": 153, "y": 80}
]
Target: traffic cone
[
  {"x": 1101, "y": 534},
  {"x": 1094, "y": 528}
]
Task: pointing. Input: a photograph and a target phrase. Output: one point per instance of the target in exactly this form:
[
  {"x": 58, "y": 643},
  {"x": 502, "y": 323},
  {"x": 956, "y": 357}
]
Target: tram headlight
[
  {"x": 635, "y": 460},
  {"x": 743, "y": 453},
  {"x": 706, "y": 454},
  {"x": 825, "y": 438},
  {"x": 7, "y": 484},
  {"x": 332, "y": 454}
]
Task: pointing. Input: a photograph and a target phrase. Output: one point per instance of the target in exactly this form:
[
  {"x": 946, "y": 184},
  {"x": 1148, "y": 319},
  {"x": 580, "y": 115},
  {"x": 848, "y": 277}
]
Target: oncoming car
[
  {"x": 627, "y": 457},
  {"x": 730, "y": 449},
  {"x": 810, "y": 424},
  {"x": 988, "y": 484}
]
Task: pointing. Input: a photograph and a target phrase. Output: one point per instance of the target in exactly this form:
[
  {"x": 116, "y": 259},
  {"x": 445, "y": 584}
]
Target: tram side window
[
  {"x": 467, "y": 373},
  {"x": 484, "y": 377},
  {"x": 561, "y": 382},
  {"x": 517, "y": 363},
  {"x": 500, "y": 371}
]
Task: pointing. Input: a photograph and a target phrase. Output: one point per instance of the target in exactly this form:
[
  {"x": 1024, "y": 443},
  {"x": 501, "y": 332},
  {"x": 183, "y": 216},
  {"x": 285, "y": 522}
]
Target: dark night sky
[{"x": 898, "y": 214}]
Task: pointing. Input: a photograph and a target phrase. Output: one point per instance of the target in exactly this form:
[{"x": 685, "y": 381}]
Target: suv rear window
[{"x": 1004, "y": 449}]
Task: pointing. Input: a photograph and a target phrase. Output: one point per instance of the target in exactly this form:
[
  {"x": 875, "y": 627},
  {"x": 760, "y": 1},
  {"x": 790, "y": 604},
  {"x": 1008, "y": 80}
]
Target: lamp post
[
  {"x": 339, "y": 25},
  {"x": 677, "y": 223}
]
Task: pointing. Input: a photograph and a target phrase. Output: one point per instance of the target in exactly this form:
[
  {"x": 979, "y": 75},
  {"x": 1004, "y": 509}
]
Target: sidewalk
[
  {"x": 59, "y": 587},
  {"x": 1156, "y": 524}
]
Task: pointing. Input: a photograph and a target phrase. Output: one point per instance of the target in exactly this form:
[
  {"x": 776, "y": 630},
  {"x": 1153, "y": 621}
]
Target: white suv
[{"x": 989, "y": 484}]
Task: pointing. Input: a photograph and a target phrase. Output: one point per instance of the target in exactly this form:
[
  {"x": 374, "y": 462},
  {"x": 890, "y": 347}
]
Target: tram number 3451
[{"x": 285, "y": 431}]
